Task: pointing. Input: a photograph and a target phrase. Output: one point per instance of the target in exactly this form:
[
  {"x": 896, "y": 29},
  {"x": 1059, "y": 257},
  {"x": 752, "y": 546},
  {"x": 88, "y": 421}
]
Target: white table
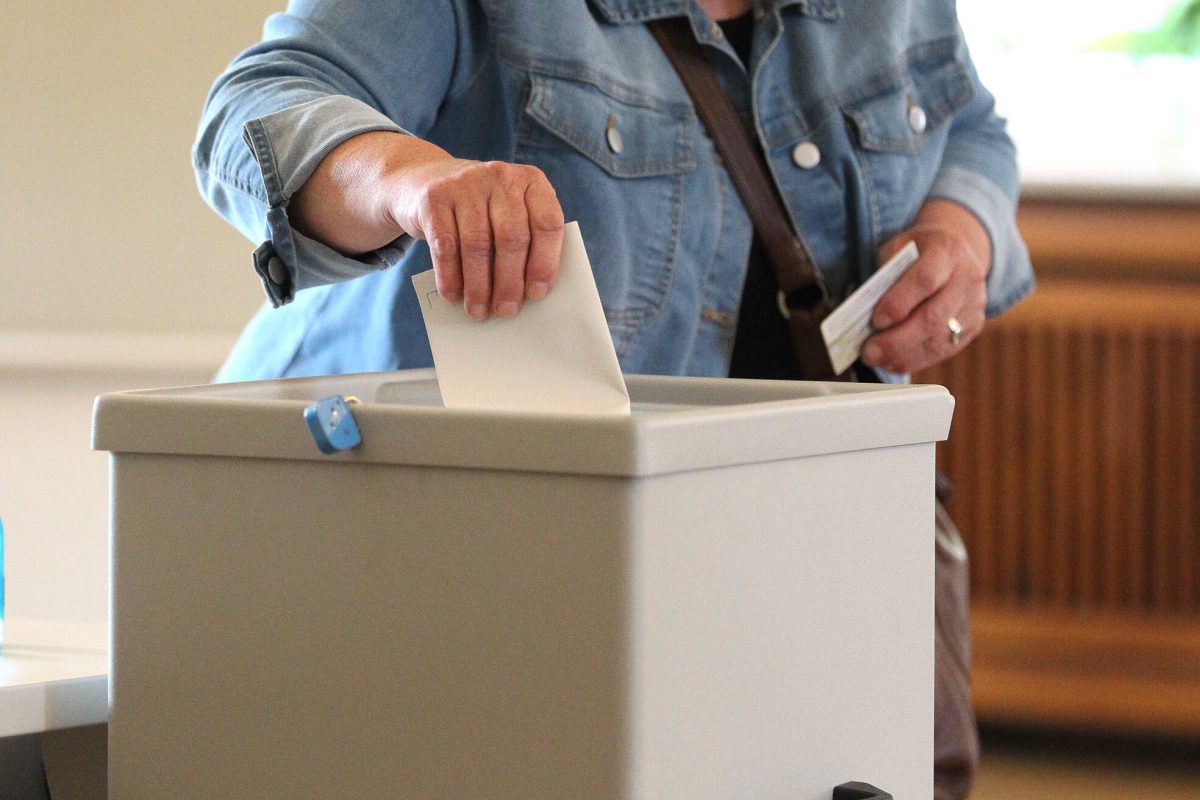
[
  {"x": 53, "y": 711},
  {"x": 44, "y": 689}
]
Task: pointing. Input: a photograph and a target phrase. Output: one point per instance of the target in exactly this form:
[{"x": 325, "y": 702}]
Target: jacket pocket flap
[
  {"x": 901, "y": 117},
  {"x": 625, "y": 140}
]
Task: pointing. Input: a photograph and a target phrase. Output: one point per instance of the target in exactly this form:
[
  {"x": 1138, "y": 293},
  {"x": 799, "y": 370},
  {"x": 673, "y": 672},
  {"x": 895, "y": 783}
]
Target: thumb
[{"x": 894, "y": 245}]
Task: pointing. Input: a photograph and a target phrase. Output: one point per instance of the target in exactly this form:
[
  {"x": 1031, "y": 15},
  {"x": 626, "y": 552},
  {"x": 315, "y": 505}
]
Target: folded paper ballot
[
  {"x": 555, "y": 356},
  {"x": 849, "y": 326}
]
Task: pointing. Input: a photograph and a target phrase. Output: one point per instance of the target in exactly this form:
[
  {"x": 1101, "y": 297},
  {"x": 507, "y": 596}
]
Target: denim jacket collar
[{"x": 627, "y": 11}]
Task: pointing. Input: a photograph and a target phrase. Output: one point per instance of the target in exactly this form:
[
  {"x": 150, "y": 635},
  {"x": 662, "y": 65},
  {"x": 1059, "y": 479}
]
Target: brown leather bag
[
  {"x": 803, "y": 295},
  {"x": 955, "y": 737}
]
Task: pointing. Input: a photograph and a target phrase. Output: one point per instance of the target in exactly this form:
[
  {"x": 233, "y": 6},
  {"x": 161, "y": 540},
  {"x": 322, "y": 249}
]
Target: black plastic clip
[{"x": 859, "y": 791}]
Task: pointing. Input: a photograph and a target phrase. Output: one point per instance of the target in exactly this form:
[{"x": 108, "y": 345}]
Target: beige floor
[{"x": 1037, "y": 765}]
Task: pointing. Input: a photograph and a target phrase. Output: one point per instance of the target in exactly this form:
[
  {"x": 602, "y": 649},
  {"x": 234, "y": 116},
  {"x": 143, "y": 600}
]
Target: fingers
[
  {"x": 440, "y": 230},
  {"x": 913, "y": 317},
  {"x": 924, "y": 337},
  {"x": 893, "y": 246},
  {"x": 546, "y": 231},
  {"x": 510, "y": 232},
  {"x": 475, "y": 250},
  {"x": 922, "y": 280},
  {"x": 494, "y": 231}
]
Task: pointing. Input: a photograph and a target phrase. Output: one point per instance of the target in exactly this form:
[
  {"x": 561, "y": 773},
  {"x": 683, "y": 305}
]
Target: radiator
[{"x": 1075, "y": 454}]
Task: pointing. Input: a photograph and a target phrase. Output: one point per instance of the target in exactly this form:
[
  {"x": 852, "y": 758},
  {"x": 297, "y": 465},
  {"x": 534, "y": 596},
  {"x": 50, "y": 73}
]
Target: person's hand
[
  {"x": 943, "y": 290},
  {"x": 494, "y": 229}
]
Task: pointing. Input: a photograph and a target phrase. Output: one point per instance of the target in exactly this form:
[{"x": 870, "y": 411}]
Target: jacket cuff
[
  {"x": 288, "y": 145},
  {"x": 276, "y": 260},
  {"x": 1010, "y": 275}
]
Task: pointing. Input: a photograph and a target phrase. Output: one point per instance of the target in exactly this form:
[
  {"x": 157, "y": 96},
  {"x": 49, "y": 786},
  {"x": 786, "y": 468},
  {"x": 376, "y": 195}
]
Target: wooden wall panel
[{"x": 1075, "y": 453}]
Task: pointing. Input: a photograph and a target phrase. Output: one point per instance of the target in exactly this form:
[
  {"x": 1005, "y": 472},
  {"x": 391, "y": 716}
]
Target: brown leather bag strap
[{"x": 804, "y": 298}]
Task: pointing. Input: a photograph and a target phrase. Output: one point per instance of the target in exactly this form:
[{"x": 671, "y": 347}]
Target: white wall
[
  {"x": 101, "y": 227},
  {"x": 53, "y": 489},
  {"x": 113, "y": 273}
]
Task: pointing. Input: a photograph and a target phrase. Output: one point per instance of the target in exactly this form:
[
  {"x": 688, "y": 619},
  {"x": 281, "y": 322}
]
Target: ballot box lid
[{"x": 676, "y": 424}]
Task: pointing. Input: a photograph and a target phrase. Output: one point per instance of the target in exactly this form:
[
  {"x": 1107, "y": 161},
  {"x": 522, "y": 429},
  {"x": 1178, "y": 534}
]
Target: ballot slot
[
  {"x": 427, "y": 394},
  {"x": 648, "y": 394}
]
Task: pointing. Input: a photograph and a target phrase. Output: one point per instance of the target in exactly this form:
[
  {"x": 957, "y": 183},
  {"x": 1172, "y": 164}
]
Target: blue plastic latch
[{"x": 332, "y": 424}]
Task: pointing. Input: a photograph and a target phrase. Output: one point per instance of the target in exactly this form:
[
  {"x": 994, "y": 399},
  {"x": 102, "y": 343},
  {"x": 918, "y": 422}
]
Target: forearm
[
  {"x": 494, "y": 229},
  {"x": 979, "y": 173},
  {"x": 284, "y": 105},
  {"x": 345, "y": 202},
  {"x": 938, "y": 211},
  {"x": 250, "y": 161}
]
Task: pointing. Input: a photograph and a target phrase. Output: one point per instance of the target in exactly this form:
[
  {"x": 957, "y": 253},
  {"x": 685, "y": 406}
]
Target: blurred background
[
  {"x": 113, "y": 273},
  {"x": 1076, "y": 442},
  {"x": 1075, "y": 449}
]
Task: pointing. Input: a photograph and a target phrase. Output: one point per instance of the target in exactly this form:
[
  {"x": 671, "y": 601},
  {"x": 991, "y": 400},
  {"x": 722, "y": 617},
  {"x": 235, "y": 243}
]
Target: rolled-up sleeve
[
  {"x": 979, "y": 170},
  {"x": 324, "y": 72}
]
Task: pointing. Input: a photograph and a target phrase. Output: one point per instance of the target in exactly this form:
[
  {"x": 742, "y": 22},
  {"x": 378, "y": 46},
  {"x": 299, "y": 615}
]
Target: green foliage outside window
[{"x": 1177, "y": 35}]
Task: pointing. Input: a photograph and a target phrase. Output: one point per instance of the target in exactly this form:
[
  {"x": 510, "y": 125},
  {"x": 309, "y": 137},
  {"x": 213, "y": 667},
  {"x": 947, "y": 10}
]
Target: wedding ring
[{"x": 956, "y": 330}]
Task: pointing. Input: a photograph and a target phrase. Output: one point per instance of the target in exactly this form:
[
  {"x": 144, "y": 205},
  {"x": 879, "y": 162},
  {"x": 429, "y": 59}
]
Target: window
[{"x": 1102, "y": 97}]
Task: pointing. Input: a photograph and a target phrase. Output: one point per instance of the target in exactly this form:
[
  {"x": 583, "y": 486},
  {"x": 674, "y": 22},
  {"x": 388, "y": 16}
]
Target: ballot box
[{"x": 727, "y": 593}]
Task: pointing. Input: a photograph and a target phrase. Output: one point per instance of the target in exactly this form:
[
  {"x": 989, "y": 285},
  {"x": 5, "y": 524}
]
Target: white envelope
[{"x": 555, "y": 356}]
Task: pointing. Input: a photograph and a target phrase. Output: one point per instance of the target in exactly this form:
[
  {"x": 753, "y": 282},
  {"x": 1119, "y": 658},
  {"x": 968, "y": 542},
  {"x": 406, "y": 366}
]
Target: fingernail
[
  {"x": 871, "y": 354},
  {"x": 882, "y": 321},
  {"x": 453, "y": 296},
  {"x": 477, "y": 311},
  {"x": 507, "y": 309},
  {"x": 537, "y": 290}
]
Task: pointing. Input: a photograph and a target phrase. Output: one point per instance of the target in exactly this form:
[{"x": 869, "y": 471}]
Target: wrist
[
  {"x": 347, "y": 202},
  {"x": 402, "y": 169},
  {"x": 950, "y": 214}
]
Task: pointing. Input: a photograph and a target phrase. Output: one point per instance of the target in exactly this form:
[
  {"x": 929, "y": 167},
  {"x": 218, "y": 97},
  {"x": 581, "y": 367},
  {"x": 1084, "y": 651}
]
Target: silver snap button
[
  {"x": 276, "y": 271},
  {"x": 716, "y": 32},
  {"x": 613, "y": 136},
  {"x": 806, "y": 155},
  {"x": 916, "y": 119}
]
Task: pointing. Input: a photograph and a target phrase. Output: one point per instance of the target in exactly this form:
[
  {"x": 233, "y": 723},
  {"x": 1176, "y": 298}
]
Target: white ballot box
[{"x": 726, "y": 594}]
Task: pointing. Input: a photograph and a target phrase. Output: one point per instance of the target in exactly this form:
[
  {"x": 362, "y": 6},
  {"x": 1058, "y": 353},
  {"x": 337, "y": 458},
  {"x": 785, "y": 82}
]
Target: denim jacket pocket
[
  {"x": 900, "y": 121},
  {"x": 623, "y": 139},
  {"x": 601, "y": 152}
]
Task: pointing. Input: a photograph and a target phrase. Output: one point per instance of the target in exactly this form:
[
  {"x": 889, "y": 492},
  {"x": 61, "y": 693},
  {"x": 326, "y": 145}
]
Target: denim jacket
[{"x": 863, "y": 108}]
